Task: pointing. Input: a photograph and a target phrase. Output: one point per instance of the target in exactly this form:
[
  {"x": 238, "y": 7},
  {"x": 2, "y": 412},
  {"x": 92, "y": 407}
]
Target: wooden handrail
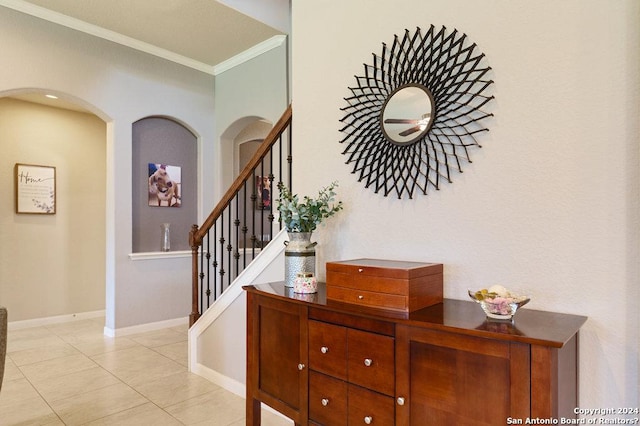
[
  {"x": 197, "y": 234},
  {"x": 271, "y": 138}
]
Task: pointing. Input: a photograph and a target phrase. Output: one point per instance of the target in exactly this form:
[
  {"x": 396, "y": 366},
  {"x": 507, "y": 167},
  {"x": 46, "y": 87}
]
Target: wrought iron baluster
[
  {"x": 212, "y": 264},
  {"x": 262, "y": 205},
  {"x": 290, "y": 157},
  {"x": 215, "y": 261},
  {"x": 270, "y": 217},
  {"x": 229, "y": 250},
  {"x": 208, "y": 274},
  {"x": 236, "y": 253},
  {"x": 253, "y": 216},
  {"x": 201, "y": 276}
]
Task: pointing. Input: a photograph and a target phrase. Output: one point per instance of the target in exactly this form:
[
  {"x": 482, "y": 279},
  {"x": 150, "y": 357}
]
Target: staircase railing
[{"x": 242, "y": 223}]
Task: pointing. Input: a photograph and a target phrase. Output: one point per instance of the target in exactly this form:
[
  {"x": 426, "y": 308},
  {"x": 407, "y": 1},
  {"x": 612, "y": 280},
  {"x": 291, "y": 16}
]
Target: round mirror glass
[{"x": 408, "y": 114}]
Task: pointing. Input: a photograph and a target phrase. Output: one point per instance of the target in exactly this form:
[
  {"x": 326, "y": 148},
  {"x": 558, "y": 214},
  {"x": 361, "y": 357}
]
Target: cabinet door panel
[
  {"x": 371, "y": 361},
  {"x": 327, "y": 399},
  {"x": 328, "y": 349},
  {"x": 461, "y": 380},
  {"x": 278, "y": 355}
]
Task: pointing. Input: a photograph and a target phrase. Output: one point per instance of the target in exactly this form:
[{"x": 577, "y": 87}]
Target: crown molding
[
  {"x": 249, "y": 54},
  {"x": 94, "y": 30}
]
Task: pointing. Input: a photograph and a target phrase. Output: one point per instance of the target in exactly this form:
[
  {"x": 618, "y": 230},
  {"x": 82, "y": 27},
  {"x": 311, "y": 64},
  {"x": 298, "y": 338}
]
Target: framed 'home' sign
[{"x": 35, "y": 189}]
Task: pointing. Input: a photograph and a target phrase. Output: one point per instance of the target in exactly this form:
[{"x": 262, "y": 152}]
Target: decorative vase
[
  {"x": 299, "y": 256},
  {"x": 166, "y": 237}
]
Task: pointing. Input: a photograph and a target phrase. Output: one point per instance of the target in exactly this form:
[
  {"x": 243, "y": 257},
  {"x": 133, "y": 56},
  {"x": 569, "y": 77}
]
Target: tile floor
[{"x": 71, "y": 374}]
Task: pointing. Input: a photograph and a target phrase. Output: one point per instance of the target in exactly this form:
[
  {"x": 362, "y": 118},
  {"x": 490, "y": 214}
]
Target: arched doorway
[{"x": 54, "y": 265}]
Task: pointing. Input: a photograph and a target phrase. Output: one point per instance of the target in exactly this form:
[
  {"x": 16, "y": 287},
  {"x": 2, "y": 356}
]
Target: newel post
[{"x": 195, "y": 313}]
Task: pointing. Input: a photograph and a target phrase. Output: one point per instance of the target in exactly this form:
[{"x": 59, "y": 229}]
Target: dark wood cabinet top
[{"x": 463, "y": 317}]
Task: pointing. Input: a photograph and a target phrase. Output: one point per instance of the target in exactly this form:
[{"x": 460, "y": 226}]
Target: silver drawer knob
[
  {"x": 360, "y": 269},
  {"x": 368, "y": 362},
  {"x": 325, "y": 402},
  {"x": 368, "y": 420},
  {"x": 324, "y": 349},
  {"x": 300, "y": 367},
  {"x": 360, "y": 297},
  {"x": 400, "y": 400}
]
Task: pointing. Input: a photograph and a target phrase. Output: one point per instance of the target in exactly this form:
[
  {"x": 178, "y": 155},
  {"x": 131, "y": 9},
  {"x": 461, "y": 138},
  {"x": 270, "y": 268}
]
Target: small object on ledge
[
  {"x": 305, "y": 282},
  {"x": 166, "y": 237},
  {"x": 498, "y": 303}
]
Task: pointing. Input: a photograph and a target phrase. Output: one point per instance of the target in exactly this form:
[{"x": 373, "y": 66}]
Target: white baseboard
[
  {"x": 228, "y": 384},
  {"x": 143, "y": 328},
  {"x": 37, "y": 322},
  {"x": 223, "y": 381}
]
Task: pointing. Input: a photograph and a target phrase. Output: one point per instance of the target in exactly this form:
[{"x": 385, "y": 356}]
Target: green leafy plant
[{"x": 305, "y": 216}]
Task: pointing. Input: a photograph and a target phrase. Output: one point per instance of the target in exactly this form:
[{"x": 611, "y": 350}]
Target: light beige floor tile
[
  {"x": 96, "y": 404},
  {"x": 11, "y": 371},
  {"x": 20, "y": 404},
  {"x": 14, "y": 391},
  {"x": 162, "y": 337},
  {"x": 175, "y": 351},
  {"x": 268, "y": 419},
  {"x": 78, "y": 331},
  {"x": 213, "y": 408},
  {"x": 89, "y": 390},
  {"x": 61, "y": 387},
  {"x": 175, "y": 388},
  {"x": 76, "y": 328},
  {"x": 43, "y": 353},
  {"x": 30, "y": 412},
  {"x": 138, "y": 365},
  {"x": 143, "y": 415},
  {"x": 56, "y": 367},
  {"x": 183, "y": 328},
  {"x": 103, "y": 344},
  {"x": 28, "y": 338},
  {"x": 56, "y": 422},
  {"x": 271, "y": 419}
]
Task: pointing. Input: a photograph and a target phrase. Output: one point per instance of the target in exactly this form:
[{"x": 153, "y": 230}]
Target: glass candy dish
[{"x": 502, "y": 307}]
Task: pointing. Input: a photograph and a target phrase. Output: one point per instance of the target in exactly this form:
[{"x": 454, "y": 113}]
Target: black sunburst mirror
[{"x": 416, "y": 113}]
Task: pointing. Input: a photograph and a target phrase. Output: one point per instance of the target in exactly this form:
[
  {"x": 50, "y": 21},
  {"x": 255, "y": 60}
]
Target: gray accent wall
[{"x": 162, "y": 141}]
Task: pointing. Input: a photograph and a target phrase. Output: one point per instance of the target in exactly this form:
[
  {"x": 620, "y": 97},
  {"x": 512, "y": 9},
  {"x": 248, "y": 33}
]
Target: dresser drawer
[
  {"x": 370, "y": 408},
  {"x": 371, "y": 361},
  {"x": 327, "y": 399},
  {"x": 328, "y": 349},
  {"x": 368, "y": 298}
]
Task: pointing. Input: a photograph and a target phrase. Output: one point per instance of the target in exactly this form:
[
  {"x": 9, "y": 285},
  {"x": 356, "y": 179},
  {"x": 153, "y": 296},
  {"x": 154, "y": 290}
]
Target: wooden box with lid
[{"x": 397, "y": 286}]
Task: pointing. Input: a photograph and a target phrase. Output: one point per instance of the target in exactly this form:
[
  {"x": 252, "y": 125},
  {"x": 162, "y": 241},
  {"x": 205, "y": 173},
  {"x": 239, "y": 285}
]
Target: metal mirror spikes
[{"x": 417, "y": 111}]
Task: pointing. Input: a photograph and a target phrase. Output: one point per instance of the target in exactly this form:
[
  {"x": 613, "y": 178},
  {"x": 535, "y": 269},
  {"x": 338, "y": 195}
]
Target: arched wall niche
[
  {"x": 239, "y": 143},
  {"x": 164, "y": 182},
  {"x": 245, "y": 129},
  {"x": 246, "y": 143}
]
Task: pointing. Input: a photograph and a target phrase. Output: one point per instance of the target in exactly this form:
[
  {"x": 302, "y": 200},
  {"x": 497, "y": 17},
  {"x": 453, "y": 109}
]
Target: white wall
[
  {"x": 121, "y": 86},
  {"x": 252, "y": 91},
  {"x": 550, "y": 204},
  {"x": 53, "y": 265},
  {"x": 222, "y": 347}
]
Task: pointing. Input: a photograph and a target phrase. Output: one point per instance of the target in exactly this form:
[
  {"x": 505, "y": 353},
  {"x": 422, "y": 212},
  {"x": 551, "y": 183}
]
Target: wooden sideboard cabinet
[{"x": 320, "y": 362}]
